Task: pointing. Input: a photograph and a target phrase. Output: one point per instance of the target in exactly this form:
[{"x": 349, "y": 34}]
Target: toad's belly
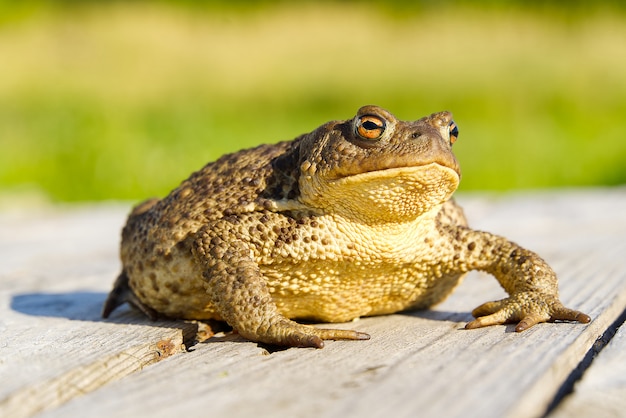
[{"x": 342, "y": 291}]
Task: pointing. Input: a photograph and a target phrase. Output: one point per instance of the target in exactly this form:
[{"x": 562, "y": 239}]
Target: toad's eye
[
  {"x": 370, "y": 127},
  {"x": 454, "y": 132}
]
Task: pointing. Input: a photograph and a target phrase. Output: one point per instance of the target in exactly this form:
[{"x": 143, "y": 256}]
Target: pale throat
[{"x": 386, "y": 197}]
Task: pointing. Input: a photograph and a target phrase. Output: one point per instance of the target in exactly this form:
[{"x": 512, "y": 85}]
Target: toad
[{"x": 353, "y": 219}]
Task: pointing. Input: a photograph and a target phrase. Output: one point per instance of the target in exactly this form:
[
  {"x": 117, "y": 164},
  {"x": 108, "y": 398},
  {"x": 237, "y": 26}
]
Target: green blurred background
[{"x": 122, "y": 100}]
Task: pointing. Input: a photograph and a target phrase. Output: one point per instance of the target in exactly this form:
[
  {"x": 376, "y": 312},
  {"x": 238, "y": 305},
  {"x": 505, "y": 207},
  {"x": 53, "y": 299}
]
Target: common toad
[{"x": 353, "y": 219}]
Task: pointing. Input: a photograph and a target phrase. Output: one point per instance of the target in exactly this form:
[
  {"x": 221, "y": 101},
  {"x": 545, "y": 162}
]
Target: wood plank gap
[
  {"x": 536, "y": 398},
  {"x": 586, "y": 363}
]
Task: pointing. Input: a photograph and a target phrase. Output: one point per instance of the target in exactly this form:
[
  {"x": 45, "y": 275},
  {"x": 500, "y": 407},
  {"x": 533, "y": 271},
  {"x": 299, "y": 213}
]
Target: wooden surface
[
  {"x": 59, "y": 359},
  {"x": 602, "y": 390}
]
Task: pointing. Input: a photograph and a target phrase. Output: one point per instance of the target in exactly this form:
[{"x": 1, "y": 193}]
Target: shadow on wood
[{"x": 83, "y": 306}]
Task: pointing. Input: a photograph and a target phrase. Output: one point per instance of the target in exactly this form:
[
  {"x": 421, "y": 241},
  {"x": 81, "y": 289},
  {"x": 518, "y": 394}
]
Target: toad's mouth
[
  {"x": 428, "y": 173},
  {"x": 380, "y": 167}
]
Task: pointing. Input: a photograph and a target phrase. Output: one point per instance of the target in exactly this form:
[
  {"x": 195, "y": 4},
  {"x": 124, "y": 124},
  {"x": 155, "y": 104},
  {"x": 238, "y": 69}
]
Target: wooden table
[{"x": 59, "y": 359}]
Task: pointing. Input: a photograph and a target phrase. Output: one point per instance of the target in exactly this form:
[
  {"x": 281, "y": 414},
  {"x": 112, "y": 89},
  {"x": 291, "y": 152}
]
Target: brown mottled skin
[{"x": 353, "y": 219}]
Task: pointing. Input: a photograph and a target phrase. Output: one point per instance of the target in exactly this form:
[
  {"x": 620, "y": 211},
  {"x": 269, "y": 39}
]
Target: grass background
[{"x": 122, "y": 100}]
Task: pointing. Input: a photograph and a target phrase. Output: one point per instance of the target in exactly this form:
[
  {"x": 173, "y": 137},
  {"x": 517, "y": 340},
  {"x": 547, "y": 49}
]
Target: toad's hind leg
[
  {"x": 239, "y": 293},
  {"x": 121, "y": 294}
]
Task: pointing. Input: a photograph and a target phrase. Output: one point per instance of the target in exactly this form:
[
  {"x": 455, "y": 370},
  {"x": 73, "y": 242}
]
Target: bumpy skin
[{"x": 350, "y": 220}]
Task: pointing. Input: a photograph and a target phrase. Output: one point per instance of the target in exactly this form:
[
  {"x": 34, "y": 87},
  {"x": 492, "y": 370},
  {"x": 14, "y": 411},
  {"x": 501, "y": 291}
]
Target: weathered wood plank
[
  {"x": 421, "y": 363},
  {"x": 53, "y": 345},
  {"x": 602, "y": 390}
]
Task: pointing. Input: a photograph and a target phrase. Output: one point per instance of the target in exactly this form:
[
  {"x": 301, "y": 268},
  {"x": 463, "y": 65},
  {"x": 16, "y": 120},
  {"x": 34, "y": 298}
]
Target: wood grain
[{"x": 53, "y": 345}]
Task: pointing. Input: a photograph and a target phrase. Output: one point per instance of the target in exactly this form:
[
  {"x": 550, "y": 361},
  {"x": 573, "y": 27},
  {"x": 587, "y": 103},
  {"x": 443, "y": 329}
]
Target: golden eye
[
  {"x": 454, "y": 132},
  {"x": 370, "y": 127}
]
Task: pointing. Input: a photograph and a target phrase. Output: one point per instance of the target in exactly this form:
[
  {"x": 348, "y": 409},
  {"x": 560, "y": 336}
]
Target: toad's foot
[
  {"x": 289, "y": 333},
  {"x": 526, "y": 308}
]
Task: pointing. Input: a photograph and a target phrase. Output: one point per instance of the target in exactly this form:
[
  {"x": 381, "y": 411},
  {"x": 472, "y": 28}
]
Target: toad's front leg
[
  {"x": 530, "y": 282},
  {"x": 239, "y": 292}
]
